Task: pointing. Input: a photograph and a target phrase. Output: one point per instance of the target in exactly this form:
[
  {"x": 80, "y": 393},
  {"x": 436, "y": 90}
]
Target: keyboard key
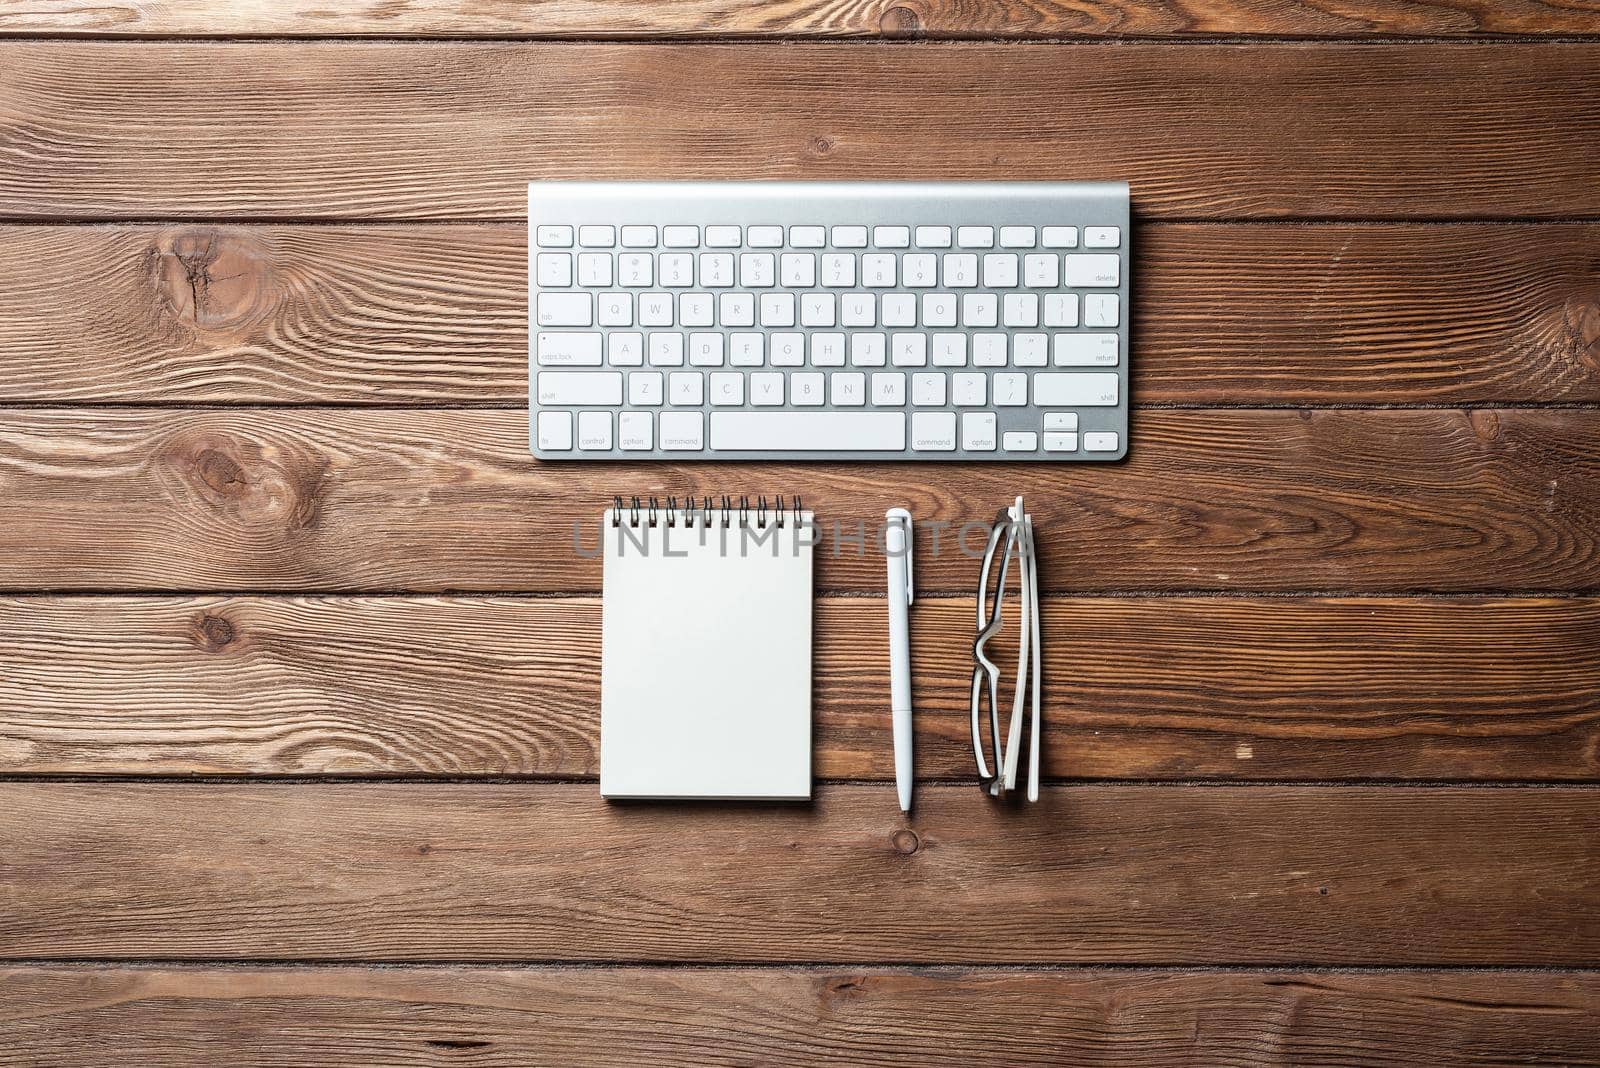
[
  {"x": 1055, "y": 441},
  {"x": 723, "y": 237},
  {"x": 788, "y": 349},
  {"x": 578, "y": 388},
  {"x": 645, "y": 389},
  {"x": 909, "y": 350},
  {"x": 888, "y": 388},
  {"x": 1021, "y": 309},
  {"x": 1016, "y": 237},
  {"x": 680, "y": 236},
  {"x": 594, "y": 431},
  {"x": 1031, "y": 349},
  {"x": 827, "y": 350},
  {"x": 1000, "y": 270},
  {"x": 899, "y": 309},
  {"x": 808, "y": 236},
  {"x": 636, "y": 269},
  {"x": 878, "y": 270},
  {"x": 989, "y": 350},
  {"x": 1102, "y": 236},
  {"x": 777, "y": 309},
  {"x": 561, "y": 349},
  {"x": 960, "y": 270},
  {"x": 849, "y": 237},
  {"x": 818, "y": 309},
  {"x": 1093, "y": 271},
  {"x": 594, "y": 269},
  {"x": 933, "y": 431},
  {"x": 686, "y": 388},
  {"x": 705, "y": 350},
  {"x": 1060, "y": 237},
  {"x": 677, "y": 268},
  {"x": 938, "y": 309},
  {"x": 625, "y": 349},
  {"x": 1086, "y": 350},
  {"x": 682, "y": 431},
  {"x": 695, "y": 309},
  {"x": 1020, "y": 441},
  {"x": 1061, "y": 309},
  {"x": 666, "y": 350},
  {"x": 655, "y": 309},
  {"x": 975, "y": 237},
  {"x": 757, "y": 270},
  {"x": 949, "y": 350},
  {"x": 1101, "y": 441},
  {"x": 839, "y": 270},
  {"x": 597, "y": 236},
  {"x": 566, "y": 309},
  {"x": 766, "y": 389},
  {"x": 554, "y": 237},
  {"x": 979, "y": 309},
  {"x": 969, "y": 389},
  {"x": 727, "y": 389},
  {"x": 1042, "y": 270},
  {"x": 635, "y": 431},
  {"x": 808, "y": 431},
  {"x": 716, "y": 269},
  {"x": 867, "y": 350},
  {"x": 798, "y": 270},
  {"x": 736, "y": 309},
  {"x": 933, "y": 236},
  {"x": 747, "y": 349},
  {"x": 848, "y": 388},
  {"x": 1070, "y": 390},
  {"x": 1011, "y": 389},
  {"x": 919, "y": 270},
  {"x": 554, "y": 269},
  {"x": 764, "y": 236},
  {"x": 555, "y": 431},
  {"x": 805, "y": 388},
  {"x": 891, "y": 236},
  {"x": 615, "y": 309},
  {"x": 1101, "y": 309},
  {"x": 858, "y": 309},
  {"x": 1061, "y": 420},
  {"x": 638, "y": 237},
  {"x": 928, "y": 389},
  {"x": 978, "y": 431}
]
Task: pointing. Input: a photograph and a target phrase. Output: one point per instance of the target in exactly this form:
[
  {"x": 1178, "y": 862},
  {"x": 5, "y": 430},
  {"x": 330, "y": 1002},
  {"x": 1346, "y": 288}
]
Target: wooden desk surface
[{"x": 298, "y": 678}]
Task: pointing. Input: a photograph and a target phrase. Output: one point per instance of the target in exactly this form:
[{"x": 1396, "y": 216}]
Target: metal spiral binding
[{"x": 649, "y": 511}]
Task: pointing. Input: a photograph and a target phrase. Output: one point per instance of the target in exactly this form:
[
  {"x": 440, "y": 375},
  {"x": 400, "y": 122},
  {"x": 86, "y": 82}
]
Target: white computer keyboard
[{"x": 870, "y": 320}]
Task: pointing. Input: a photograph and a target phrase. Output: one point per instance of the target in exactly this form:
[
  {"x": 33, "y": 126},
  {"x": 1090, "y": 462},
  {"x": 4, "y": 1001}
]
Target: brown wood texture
[
  {"x": 1341, "y": 501},
  {"x": 1089, "y": 874},
  {"x": 108, "y": 130},
  {"x": 898, "y": 19},
  {"x": 408, "y": 314},
  {"x": 86, "y": 1017},
  {"x": 1286, "y": 688}
]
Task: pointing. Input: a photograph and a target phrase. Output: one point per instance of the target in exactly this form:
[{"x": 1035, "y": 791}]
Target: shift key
[
  {"x": 1065, "y": 389},
  {"x": 570, "y": 388}
]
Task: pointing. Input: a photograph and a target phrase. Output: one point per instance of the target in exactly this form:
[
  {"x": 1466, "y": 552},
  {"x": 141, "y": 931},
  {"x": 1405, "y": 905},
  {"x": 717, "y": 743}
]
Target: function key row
[{"x": 598, "y": 236}]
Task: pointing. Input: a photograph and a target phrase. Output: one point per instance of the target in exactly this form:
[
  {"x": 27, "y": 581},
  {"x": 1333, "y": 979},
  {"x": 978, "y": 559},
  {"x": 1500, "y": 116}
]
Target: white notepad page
[{"x": 706, "y": 657}]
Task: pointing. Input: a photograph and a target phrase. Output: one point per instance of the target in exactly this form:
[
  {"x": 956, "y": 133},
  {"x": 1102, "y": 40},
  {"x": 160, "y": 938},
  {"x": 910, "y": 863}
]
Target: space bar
[{"x": 808, "y": 431}]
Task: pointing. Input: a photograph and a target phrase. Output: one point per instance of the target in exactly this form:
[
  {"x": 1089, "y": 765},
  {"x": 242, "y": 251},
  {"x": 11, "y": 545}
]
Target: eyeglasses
[{"x": 1013, "y": 529}]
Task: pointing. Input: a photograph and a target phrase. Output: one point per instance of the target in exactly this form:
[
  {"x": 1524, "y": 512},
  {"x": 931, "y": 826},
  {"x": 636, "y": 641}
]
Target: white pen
[{"x": 897, "y": 543}]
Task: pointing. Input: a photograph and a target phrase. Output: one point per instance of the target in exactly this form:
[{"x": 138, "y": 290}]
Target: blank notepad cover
[{"x": 706, "y": 657}]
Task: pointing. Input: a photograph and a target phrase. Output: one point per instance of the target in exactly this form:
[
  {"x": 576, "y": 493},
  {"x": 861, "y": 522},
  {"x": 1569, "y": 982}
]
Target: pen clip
[{"x": 900, "y": 515}]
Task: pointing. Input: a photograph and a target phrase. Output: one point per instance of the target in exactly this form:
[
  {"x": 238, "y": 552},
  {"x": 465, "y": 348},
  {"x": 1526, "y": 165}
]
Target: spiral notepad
[{"x": 705, "y": 685}]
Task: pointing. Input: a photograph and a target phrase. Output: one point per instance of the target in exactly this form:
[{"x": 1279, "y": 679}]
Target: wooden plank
[
  {"x": 408, "y": 314},
  {"x": 108, "y": 130},
  {"x": 1299, "y": 688},
  {"x": 938, "y": 1018},
  {"x": 1140, "y": 874},
  {"x": 1341, "y": 501},
  {"x": 895, "y": 19}
]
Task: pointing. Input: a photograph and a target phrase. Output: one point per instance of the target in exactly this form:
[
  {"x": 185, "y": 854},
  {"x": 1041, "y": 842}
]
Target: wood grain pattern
[
  {"x": 1017, "y": 19},
  {"x": 110, "y": 1016},
  {"x": 408, "y": 314},
  {"x": 108, "y": 130},
  {"x": 1299, "y": 688},
  {"x": 127, "y": 499},
  {"x": 1265, "y": 875}
]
